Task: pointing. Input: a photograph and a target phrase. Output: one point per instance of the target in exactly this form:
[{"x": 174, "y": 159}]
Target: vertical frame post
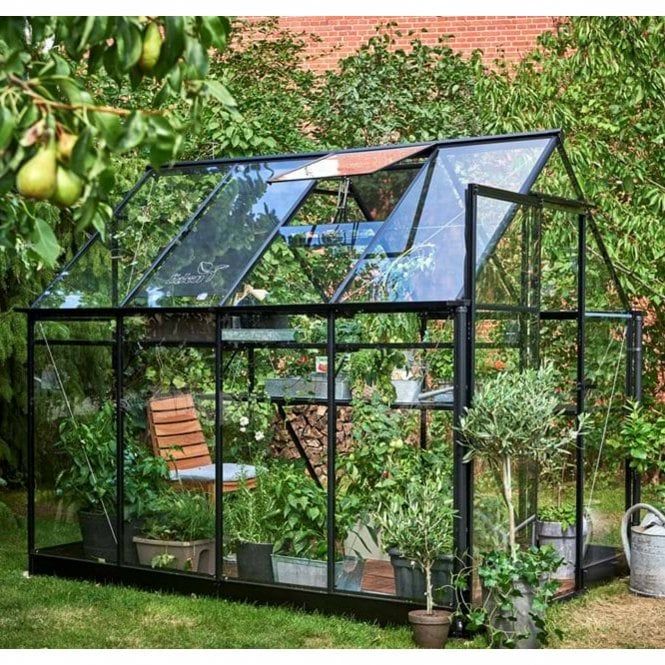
[
  {"x": 470, "y": 240},
  {"x": 332, "y": 445},
  {"x": 630, "y": 393},
  {"x": 464, "y": 363},
  {"x": 31, "y": 438},
  {"x": 115, "y": 258},
  {"x": 219, "y": 414},
  {"x": 423, "y": 412},
  {"x": 580, "y": 400},
  {"x": 637, "y": 395},
  {"x": 462, "y": 472},
  {"x": 119, "y": 438}
]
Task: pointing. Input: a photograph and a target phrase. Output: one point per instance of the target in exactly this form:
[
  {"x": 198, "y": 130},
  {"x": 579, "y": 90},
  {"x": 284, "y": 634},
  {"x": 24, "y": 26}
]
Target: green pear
[
  {"x": 36, "y": 179},
  {"x": 66, "y": 144},
  {"x": 68, "y": 188},
  {"x": 152, "y": 45}
]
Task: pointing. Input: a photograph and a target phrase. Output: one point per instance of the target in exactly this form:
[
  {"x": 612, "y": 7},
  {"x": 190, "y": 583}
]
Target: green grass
[{"x": 58, "y": 613}]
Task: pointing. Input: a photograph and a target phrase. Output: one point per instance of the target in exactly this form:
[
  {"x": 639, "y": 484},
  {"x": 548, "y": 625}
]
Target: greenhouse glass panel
[
  {"x": 209, "y": 259},
  {"x": 142, "y": 226},
  {"x": 419, "y": 253}
]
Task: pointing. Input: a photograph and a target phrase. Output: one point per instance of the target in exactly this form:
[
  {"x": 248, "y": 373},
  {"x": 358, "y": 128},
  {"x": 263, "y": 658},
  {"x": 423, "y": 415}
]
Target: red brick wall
[{"x": 511, "y": 36}]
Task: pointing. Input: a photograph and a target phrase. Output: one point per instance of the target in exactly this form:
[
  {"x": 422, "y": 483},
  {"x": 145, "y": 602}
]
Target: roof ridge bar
[{"x": 461, "y": 140}]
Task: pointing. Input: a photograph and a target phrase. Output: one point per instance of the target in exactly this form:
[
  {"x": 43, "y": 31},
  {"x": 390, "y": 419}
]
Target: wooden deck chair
[{"x": 177, "y": 436}]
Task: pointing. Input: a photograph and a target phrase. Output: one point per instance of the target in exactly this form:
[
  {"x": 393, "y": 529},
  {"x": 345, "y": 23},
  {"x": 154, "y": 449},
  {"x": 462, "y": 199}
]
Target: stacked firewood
[{"x": 311, "y": 425}]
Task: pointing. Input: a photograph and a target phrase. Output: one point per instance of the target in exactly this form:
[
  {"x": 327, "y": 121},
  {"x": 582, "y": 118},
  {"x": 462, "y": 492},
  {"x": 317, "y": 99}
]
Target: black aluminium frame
[{"x": 462, "y": 312}]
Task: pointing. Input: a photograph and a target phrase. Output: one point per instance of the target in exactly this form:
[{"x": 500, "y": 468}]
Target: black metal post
[
  {"x": 630, "y": 393},
  {"x": 219, "y": 406},
  {"x": 462, "y": 472},
  {"x": 580, "y": 400},
  {"x": 31, "y": 439},
  {"x": 332, "y": 445},
  {"x": 637, "y": 395},
  {"x": 423, "y": 412},
  {"x": 115, "y": 260},
  {"x": 119, "y": 438},
  {"x": 470, "y": 237}
]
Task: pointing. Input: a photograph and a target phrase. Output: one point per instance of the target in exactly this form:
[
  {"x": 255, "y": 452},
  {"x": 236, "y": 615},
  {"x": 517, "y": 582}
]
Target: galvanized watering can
[{"x": 647, "y": 557}]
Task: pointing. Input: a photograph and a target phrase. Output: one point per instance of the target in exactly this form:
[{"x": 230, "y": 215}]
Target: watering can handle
[{"x": 625, "y": 522}]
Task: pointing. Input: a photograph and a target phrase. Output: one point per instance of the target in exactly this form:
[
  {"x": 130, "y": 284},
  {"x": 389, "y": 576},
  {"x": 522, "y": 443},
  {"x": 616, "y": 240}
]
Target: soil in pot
[
  {"x": 430, "y": 631},
  {"x": 99, "y": 540},
  {"x": 410, "y": 579},
  {"x": 255, "y": 561}
]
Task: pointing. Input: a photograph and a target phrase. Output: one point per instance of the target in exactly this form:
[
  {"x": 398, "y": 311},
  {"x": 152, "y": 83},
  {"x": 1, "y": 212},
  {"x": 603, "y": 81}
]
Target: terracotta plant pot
[{"x": 430, "y": 631}]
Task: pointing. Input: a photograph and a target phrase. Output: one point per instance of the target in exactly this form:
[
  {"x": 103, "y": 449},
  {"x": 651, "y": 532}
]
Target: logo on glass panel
[{"x": 204, "y": 274}]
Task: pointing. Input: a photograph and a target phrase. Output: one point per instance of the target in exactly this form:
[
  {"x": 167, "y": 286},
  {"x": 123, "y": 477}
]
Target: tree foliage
[{"x": 74, "y": 92}]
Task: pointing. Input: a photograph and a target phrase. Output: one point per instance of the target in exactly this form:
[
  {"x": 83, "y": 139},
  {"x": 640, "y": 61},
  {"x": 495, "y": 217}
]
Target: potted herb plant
[
  {"x": 88, "y": 481},
  {"x": 419, "y": 524},
  {"x": 250, "y": 519},
  {"x": 180, "y": 534},
  {"x": 513, "y": 420},
  {"x": 556, "y": 528}
]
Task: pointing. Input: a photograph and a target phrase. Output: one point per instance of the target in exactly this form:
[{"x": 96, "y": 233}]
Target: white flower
[
  {"x": 244, "y": 421},
  {"x": 259, "y": 436},
  {"x": 243, "y": 429}
]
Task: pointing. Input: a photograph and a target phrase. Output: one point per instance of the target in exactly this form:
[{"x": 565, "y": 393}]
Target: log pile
[{"x": 311, "y": 425}]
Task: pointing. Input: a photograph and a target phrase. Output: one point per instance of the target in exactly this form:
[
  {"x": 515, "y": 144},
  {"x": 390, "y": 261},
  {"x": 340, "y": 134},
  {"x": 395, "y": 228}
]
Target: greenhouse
[{"x": 231, "y": 389}]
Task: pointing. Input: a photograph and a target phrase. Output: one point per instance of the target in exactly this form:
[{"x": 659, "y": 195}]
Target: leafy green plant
[
  {"x": 501, "y": 575},
  {"x": 640, "y": 440},
  {"x": 301, "y": 510},
  {"x": 513, "y": 419},
  {"x": 181, "y": 516},
  {"x": 89, "y": 478},
  {"x": 564, "y": 514},
  {"x": 382, "y": 464},
  {"x": 250, "y": 513},
  {"x": 419, "y": 523}
]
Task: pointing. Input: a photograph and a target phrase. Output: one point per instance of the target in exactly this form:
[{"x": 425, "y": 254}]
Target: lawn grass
[{"x": 58, "y": 613}]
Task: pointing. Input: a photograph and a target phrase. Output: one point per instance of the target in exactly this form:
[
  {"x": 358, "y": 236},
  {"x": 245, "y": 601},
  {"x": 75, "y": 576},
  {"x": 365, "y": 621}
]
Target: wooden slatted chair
[{"x": 177, "y": 436}]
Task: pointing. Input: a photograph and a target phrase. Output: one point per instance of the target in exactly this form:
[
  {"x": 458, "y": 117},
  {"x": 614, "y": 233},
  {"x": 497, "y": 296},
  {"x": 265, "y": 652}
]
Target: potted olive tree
[
  {"x": 419, "y": 524},
  {"x": 180, "y": 534},
  {"x": 513, "y": 420},
  {"x": 88, "y": 482}
]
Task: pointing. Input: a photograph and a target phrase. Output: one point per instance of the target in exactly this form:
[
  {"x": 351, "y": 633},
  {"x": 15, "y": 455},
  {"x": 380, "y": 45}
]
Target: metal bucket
[
  {"x": 646, "y": 557},
  {"x": 564, "y": 543}
]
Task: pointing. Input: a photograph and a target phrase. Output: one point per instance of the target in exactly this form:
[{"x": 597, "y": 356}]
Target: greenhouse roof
[{"x": 384, "y": 224}]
